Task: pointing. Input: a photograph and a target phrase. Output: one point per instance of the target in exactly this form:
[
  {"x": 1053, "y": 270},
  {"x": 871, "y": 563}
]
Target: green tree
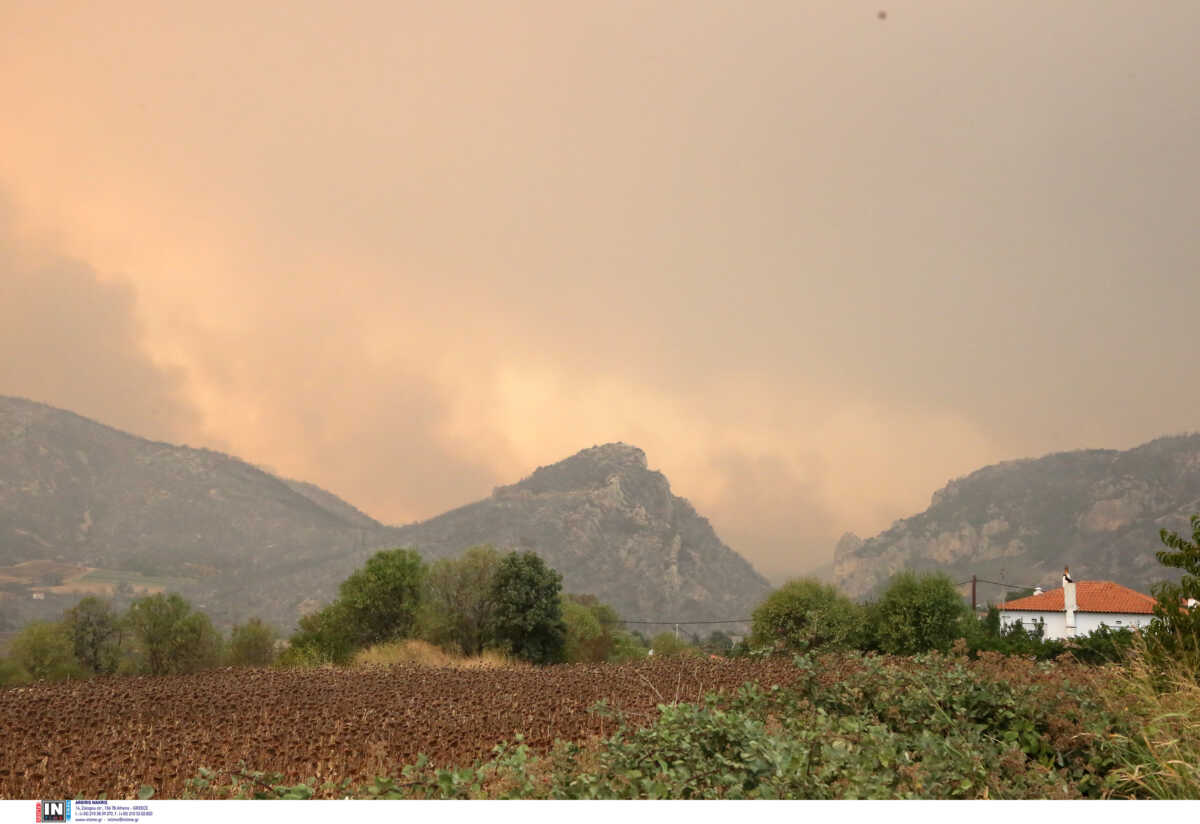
[
  {"x": 322, "y": 637},
  {"x": 528, "y": 615},
  {"x": 381, "y": 601},
  {"x": 917, "y": 613},
  {"x": 1176, "y": 626},
  {"x": 459, "y": 600},
  {"x": 592, "y": 629},
  {"x": 44, "y": 650},
  {"x": 172, "y": 638},
  {"x": 806, "y": 615},
  {"x": 252, "y": 644},
  {"x": 96, "y": 631}
]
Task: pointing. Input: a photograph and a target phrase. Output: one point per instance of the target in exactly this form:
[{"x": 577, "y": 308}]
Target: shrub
[
  {"x": 171, "y": 637},
  {"x": 252, "y": 644},
  {"x": 806, "y": 615},
  {"x": 460, "y": 601},
  {"x": 666, "y": 645},
  {"x": 917, "y": 613},
  {"x": 44, "y": 651},
  {"x": 381, "y": 601}
]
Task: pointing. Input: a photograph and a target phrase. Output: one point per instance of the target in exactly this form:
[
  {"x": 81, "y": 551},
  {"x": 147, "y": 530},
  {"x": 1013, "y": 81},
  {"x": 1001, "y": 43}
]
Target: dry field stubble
[{"x": 81, "y": 739}]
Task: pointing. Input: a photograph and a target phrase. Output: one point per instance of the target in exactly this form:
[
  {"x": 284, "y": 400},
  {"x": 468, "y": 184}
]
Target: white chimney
[{"x": 1069, "y": 604}]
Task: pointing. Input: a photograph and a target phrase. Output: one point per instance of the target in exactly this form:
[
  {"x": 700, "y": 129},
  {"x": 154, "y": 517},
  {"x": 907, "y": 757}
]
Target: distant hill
[
  {"x": 87, "y": 508},
  {"x": 154, "y": 515},
  {"x": 1100, "y": 511}
]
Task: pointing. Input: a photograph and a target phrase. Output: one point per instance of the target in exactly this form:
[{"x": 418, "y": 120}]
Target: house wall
[{"x": 1085, "y": 622}]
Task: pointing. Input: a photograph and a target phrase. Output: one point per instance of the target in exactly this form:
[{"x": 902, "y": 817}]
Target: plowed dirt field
[{"x": 80, "y": 739}]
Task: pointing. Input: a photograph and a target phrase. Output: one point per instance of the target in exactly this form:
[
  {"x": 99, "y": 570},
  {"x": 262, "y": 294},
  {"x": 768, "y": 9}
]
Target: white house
[{"x": 1080, "y": 608}]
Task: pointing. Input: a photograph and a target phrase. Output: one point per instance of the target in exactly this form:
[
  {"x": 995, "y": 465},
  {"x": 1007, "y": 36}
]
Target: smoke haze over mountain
[{"x": 814, "y": 261}]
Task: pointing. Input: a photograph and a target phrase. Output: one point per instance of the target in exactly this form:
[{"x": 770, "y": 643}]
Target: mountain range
[
  {"x": 85, "y": 508},
  {"x": 1020, "y": 522}
]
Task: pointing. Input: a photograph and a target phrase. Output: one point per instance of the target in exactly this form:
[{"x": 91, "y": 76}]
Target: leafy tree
[
  {"x": 806, "y": 615},
  {"x": 380, "y": 602},
  {"x": 593, "y": 630},
  {"x": 528, "y": 615},
  {"x": 172, "y": 637},
  {"x": 322, "y": 637},
  {"x": 252, "y": 644},
  {"x": 1176, "y": 627},
  {"x": 44, "y": 650},
  {"x": 96, "y": 631},
  {"x": 586, "y": 640},
  {"x": 917, "y": 613},
  {"x": 459, "y": 600}
]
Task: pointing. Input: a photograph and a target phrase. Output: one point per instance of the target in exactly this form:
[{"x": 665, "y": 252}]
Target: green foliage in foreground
[
  {"x": 852, "y": 726},
  {"x": 1176, "y": 628}
]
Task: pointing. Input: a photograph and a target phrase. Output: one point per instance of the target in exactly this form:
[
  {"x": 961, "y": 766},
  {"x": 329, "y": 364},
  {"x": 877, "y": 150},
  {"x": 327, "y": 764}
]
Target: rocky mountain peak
[
  {"x": 588, "y": 469},
  {"x": 847, "y": 545}
]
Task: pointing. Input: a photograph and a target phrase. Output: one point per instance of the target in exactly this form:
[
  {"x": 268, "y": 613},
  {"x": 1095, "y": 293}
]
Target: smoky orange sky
[{"x": 813, "y": 260}]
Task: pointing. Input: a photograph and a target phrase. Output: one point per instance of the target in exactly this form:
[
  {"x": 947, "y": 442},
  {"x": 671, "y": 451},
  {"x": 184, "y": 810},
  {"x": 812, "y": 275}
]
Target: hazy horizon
[{"x": 813, "y": 261}]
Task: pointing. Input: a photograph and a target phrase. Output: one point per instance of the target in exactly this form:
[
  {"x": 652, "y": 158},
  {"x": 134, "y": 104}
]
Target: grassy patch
[{"x": 427, "y": 655}]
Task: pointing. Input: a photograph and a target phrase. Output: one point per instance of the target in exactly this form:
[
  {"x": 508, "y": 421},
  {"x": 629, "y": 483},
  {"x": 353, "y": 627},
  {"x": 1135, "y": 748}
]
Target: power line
[{"x": 1010, "y": 586}]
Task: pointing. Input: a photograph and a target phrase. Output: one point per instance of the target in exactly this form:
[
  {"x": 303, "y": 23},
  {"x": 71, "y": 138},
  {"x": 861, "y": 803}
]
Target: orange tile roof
[{"x": 1090, "y": 596}]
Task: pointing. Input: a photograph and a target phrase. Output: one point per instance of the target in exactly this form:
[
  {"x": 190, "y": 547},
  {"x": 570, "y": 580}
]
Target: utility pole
[{"x": 974, "y": 603}]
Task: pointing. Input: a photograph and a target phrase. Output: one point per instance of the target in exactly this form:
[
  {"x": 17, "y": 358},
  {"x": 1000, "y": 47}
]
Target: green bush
[
  {"x": 322, "y": 637},
  {"x": 666, "y": 645},
  {"x": 12, "y": 674},
  {"x": 252, "y": 644},
  {"x": 44, "y": 651},
  {"x": 381, "y": 601},
  {"x": 1175, "y": 631},
  {"x": 806, "y": 615},
  {"x": 459, "y": 601},
  {"x": 917, "y": 613},
  {"x": 96, "y": 634},
  {"x": 172, "y": 638}
]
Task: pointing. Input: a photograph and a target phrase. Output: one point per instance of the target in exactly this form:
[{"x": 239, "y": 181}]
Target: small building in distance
[{"x": 1080, "y": 608}]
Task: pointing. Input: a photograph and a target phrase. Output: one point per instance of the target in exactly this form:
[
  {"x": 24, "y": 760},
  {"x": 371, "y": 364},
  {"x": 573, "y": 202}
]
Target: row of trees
[
  {"x": 157, "y": 635},
  {"x": 922, "y": 612},
  {"x": 484, "y": 599},
  {"x": 915, "y": 613},
  {"x": 513, "y": 602}
]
